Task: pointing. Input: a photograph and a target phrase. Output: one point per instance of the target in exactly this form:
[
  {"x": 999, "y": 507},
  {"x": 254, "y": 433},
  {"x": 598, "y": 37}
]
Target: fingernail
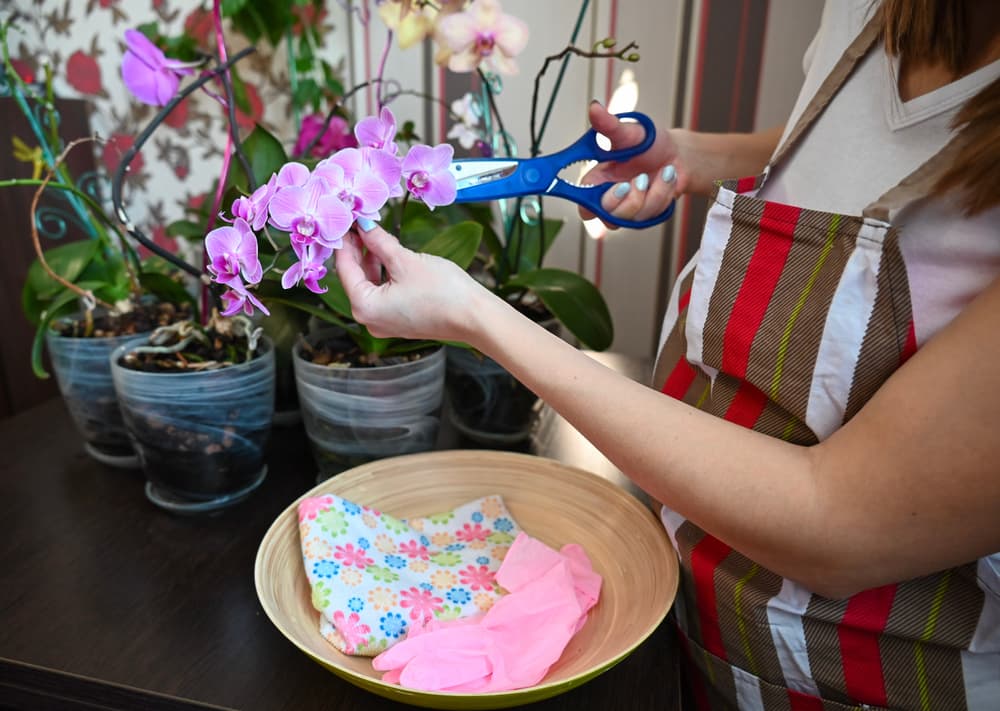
[
  {"x": 669, "y": 174},
  {"x": 621, "y": 190},
  {"x": 596, "y": 101},
  {"x": 642, "y": 182},
  {"x": 365, "y": 224}
]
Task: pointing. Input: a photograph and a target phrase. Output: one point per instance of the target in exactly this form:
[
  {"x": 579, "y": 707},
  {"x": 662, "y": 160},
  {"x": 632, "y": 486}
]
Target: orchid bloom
[
  {"x": 151, "y": 76},
  {"x": 232, "y": 253},
  {"x": 410, "y": 24},
  {"x": 482, "y": 33},
  {"x": 425, "y": 170},
  {"x": 292, "y": 175},
  {"x": 378, "y": 132},
  {"x": 253, "y": 209},
  {"x": 336, "y": 136},
  {"x": 239, "y": 299},
  {"x": 467, "y": 111},
  {"x": 310, "y": 214},
  {"x": 309, "y": 269},
  {"x": 356, "y": 182}
]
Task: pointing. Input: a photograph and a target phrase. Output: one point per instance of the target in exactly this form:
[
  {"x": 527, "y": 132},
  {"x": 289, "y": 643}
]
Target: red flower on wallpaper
[
  {"x": 24, "y": 70},
  {"x": 247, "y": 121},
  {"x": 162, "y": 239},
  {"x": 198, "y": 24},
  {"x": 115, "y": 147},
  {"x": 179, "y": 116},
  {"x": 83, "y": 73}
]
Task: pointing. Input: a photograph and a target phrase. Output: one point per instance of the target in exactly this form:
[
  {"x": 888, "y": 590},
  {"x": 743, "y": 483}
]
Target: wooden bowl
[{"x": 552, "y": 502}]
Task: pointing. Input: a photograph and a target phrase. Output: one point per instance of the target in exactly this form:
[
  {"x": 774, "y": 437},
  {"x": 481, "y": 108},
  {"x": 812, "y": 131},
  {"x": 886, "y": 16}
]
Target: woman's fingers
[{"x": 642, "y": 198}]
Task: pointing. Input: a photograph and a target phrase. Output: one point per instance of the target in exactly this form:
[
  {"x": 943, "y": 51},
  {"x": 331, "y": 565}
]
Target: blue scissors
[{"x": 481, "y": 179}]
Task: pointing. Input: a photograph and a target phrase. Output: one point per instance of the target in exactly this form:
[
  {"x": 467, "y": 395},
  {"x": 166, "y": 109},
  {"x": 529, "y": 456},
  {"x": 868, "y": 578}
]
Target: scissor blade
[{"x": 475, "y": 172}]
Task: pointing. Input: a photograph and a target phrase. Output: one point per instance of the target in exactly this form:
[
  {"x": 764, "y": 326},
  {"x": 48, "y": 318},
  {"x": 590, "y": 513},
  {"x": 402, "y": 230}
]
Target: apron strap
[
  {"x": 831, "y": 85},
  {"x": 917, "y": 185}
]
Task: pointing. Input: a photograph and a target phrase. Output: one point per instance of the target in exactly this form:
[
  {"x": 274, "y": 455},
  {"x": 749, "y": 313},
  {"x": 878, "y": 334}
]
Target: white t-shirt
[{"x": 858, "y": 149}]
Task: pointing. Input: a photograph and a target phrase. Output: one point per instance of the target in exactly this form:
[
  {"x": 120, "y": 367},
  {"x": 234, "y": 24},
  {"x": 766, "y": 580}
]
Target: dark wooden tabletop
[{"x": 107, "y": 602}]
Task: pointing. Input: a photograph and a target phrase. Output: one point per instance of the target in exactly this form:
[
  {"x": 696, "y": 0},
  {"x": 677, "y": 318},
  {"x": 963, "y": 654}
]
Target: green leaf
[
  {"x": 240, "y": 95},
  {"x": 67, "y": 260},
  {"x": 166, "y": 289},
  {"x": 529, "y": 237},
  {"x": 459, "y": 243},
  {"x": 306, "y": 93},
  {"x": 574, "y": 301},
  {"x": 61, "y": 305},
  {"x": 231, "y": 7},
  {"x": 187, "y": 229},
  {"x": 335, "y": 297},
  {"x": 265, "y": 154}
]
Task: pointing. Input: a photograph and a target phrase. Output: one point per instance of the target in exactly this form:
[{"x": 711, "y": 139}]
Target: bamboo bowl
[{"x": 552, "y": 502}]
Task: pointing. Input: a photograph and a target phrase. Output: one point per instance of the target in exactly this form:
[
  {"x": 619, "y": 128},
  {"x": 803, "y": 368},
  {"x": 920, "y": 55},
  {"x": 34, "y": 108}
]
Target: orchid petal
[
  {"x": 292, "y": 175},
  {"x": 291, "y": 276},
  {"x": 286, "y": 205}
]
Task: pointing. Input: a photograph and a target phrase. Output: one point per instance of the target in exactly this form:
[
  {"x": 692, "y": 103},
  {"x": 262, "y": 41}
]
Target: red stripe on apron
[
  {"x": 858, "y": 632},
  {"x": 773, "y": 245},
  {"x": 798, "y": 701},
  {"x": 910, "y": 347},
  {"x": 693, "y": 675},
  {"x": 680, "y": 379},
  {"x": 745, "y": 185},
  {"x": 746, "y": 406},
  {"x": 705, "y": 557}
]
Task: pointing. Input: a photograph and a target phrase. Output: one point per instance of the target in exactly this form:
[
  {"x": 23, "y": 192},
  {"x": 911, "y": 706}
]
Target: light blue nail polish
[
  {"x": 621, "y": 190},
  {"x": 642, "y": 182},
  {"x": 669, "y": 174},
  {"x": 365, "y": 224}
]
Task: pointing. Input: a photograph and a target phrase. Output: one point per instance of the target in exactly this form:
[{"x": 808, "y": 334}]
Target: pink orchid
[
  {"x": 355, "y": 182},
  {"x": 482, "y": 33},
  {"x": 310, "y": 214},
  {"x": 151, "y": 76},
  {"x": 309, "y": 269},
  {"x": 239, "y": 299},
  {"x": 336, "y": 136},
  {"x": 378, "y": 132},
  {"x": 232, "y": 253},
  {"x": 292, "y": 175},
  {"x": 425, "y": 170},
  {"x": 253, "y": 209},
  {"x": 387, "y": 166}
]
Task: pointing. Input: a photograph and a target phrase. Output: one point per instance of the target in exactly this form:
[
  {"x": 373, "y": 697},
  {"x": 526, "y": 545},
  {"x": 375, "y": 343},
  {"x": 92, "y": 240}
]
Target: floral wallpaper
[{"x": 83, "y": 40}]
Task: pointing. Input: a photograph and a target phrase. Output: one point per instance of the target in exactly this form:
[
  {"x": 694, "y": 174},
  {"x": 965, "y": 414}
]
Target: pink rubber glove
[{"x": 515, "y": 643}]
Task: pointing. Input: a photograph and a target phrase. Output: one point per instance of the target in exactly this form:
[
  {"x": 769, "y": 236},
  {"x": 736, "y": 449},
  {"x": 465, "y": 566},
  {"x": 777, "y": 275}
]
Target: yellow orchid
[
  {"x": 410, "y": 23},
  {"x": 24, "y": 154}
]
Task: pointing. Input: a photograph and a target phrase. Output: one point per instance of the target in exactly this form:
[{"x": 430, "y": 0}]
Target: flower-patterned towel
[{"x": 373, "y": 576}]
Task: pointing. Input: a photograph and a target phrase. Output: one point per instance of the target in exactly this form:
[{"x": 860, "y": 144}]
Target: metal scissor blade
[{"x": 469, "y": 173}]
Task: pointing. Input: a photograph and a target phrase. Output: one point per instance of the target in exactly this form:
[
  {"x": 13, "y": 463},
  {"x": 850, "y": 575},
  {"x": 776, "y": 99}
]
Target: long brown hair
[{"x": 937, "y": 30}]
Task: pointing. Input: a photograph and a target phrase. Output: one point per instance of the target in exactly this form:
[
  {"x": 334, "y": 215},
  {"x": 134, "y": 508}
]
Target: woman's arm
[{"x": 908, "y": 487}]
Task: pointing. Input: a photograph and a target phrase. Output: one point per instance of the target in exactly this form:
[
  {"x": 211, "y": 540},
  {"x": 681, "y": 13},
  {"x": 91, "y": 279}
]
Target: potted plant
[{"x": 487, "y": 404}]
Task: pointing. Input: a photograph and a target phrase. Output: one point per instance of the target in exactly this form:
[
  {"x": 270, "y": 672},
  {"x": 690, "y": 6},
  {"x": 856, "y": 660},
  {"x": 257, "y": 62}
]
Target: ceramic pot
[
  {"x": 200, "y": 435},
  {"x": 354, "y": 415},
  {"x": 83, "y": 371}
]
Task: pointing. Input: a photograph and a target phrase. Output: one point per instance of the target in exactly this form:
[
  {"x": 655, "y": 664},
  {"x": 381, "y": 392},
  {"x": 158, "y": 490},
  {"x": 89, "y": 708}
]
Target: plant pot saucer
[
  {"x": 119, "y": 461},
  {"x": 191, "y": 507}
]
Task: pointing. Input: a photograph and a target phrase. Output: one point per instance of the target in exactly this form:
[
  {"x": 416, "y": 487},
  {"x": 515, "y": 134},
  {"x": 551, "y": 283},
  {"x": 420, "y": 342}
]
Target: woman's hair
[{"x": 936, "y": 30}]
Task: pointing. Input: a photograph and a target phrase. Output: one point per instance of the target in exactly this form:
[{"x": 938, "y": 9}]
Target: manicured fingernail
[
  {"x": 642, "y": 182},
  {"x": 669, "y": 174},
  {"x": 365, "y": 224},
  {"x": 596, "y": 101},
  {"x": 621, "y": 190}
]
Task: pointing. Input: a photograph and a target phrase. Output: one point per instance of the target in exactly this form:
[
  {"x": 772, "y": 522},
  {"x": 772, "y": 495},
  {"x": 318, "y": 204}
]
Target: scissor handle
[
  {"x": 589, "y": 196},
  {"x": 587, "y": 148}
]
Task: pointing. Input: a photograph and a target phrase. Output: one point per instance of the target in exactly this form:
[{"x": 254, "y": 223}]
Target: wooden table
[{"x": 107, "y": 602}]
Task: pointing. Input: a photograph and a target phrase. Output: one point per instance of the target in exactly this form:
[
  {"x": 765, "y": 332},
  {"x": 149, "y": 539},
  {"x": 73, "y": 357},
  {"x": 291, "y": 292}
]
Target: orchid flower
[
  {"x": 410, "y": 24},
  {"x": 378, "y": 132},
  {"x": 356, "y": 182},
  {"x": 239, "y": 299},
  {"x": 482, "y": 33},
  {"x": 466, "y": 131},
  {"x": 292, "y": 175},
  {"x": 151, "y": 76},
  {"x": 232, "y": 253},
  {"x": 425, "y": 170},
  {"x": 335, "y": 137},
  {"x": 309, "y": 269},
  {"x": 311, "y": 214},
  {"x": 253, "y": 209}
]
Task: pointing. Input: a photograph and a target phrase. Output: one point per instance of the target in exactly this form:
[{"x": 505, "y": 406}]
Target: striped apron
[{"x": 787, "y": 321}]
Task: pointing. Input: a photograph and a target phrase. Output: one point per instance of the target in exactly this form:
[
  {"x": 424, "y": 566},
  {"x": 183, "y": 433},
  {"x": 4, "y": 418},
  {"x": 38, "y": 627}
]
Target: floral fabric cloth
[{"x": 373, "y": 576}]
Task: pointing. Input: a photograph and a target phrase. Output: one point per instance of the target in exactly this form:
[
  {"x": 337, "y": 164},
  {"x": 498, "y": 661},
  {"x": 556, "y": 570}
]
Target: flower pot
[
  {"x": 200, "y": 435},
  {"x": 485, "y": 402},
  {"x": 83, "y": 371},
  {"x": 354, "y": 415}
]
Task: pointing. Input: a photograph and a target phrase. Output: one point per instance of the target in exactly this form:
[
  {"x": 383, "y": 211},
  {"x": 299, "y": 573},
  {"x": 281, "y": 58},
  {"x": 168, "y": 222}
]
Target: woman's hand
[
  {"x": 421, "y": 297},
  {"x": 645, "y": 184}
]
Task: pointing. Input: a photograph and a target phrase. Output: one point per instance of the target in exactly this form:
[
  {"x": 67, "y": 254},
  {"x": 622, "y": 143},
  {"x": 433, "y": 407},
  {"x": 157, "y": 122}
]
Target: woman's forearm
[{"x": 718, "y": 156}]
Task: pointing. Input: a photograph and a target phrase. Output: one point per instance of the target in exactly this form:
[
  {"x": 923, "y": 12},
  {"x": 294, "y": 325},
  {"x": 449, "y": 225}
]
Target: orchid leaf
[
  {"x": 335, "y": 297},
  {"x": 574, "y": 301},
  {"x": 265, "y": 153},
  {"x": 66, "y": 260},
  {"x": 61, "y": 305},
  {"x": 459, "y": 243},
  {"x": 186, "y": 229},
  {"x": 529, "y": 237},
  {"x": 167, "y": 289}
]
